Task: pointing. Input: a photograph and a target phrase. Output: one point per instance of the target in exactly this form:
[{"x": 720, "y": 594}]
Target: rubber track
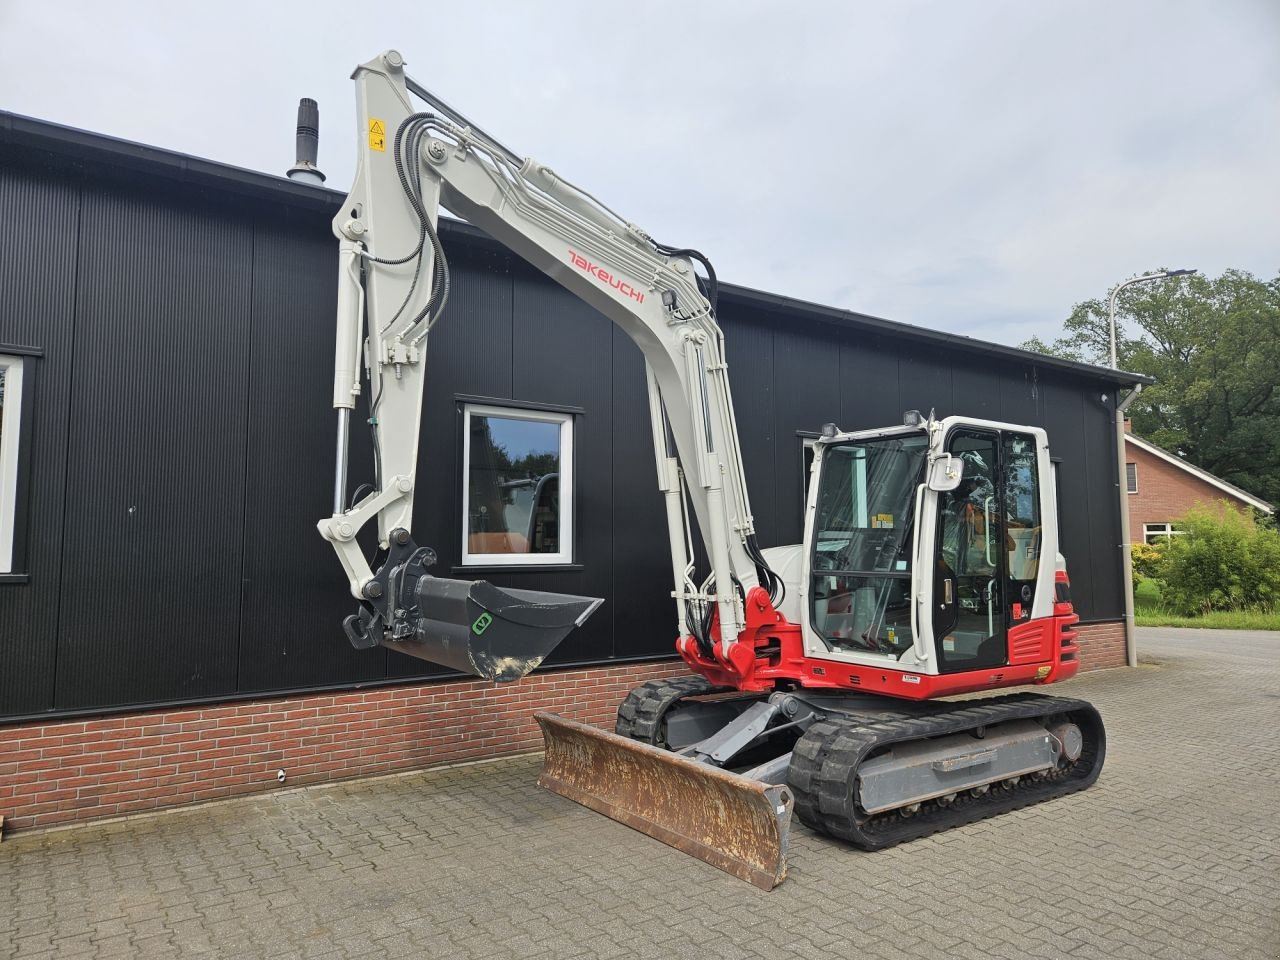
[
  {"x": 640, "y": 714},
  {"x": 823, "y": 772}
]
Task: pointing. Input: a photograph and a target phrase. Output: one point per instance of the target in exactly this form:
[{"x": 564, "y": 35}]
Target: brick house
[{"x": 1163, "y": 486}]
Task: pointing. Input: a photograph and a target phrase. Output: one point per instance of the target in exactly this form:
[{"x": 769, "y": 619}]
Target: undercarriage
[{"x": 869, "y": 770}]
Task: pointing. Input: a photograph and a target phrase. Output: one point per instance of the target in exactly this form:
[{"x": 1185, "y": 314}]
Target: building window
[
  {"x": 517, "y": 493},
  {"x": 1131, "y": 476},
  {"x": 10, "y": 437},
  {"x": 1155, "y": 532}
]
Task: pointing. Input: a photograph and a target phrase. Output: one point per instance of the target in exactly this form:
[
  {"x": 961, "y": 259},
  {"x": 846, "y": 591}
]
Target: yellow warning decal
[{"x": 377, "y": 135}]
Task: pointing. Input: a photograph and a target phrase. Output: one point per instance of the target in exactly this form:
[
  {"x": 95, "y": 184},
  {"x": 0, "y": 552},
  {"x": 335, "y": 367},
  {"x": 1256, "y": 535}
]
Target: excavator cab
[{"x": 947, "y": 515}]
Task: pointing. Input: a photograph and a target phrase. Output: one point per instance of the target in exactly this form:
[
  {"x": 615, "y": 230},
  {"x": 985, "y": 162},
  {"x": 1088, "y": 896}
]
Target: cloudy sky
[{"x": 976, "y": 167}]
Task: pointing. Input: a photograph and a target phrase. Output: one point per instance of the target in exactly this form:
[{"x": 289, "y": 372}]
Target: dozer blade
[
  {"x": 733, "y": 823},
  {"x": 500, "y": 635}
]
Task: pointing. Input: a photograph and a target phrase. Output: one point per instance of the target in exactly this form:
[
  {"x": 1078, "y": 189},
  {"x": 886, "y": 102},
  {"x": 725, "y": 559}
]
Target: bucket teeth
[{"x": 728, "y": 821}]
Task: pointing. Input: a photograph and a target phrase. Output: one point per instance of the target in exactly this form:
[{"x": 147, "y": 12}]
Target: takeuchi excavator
[{"x": 929, "y": 567}]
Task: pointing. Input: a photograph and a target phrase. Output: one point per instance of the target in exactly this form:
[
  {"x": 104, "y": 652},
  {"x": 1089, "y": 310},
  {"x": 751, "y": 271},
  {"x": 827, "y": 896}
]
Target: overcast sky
[{"x": 976, "y": 167}]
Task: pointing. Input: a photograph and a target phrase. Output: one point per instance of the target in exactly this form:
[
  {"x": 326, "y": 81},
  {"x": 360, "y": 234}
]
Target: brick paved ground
[{"x": 1173, "y": 853}]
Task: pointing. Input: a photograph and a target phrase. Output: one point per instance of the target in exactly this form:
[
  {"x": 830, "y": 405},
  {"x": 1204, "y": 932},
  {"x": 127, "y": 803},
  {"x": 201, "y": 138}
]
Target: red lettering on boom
[{"x": 605, "y": 277}]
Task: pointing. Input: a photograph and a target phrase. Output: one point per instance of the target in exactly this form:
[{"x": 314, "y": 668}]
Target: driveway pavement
[{"x": 1174, "y": 853}]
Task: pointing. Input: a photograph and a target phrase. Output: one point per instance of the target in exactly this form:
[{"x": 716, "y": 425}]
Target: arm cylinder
[{"x": 346, "y": 351}]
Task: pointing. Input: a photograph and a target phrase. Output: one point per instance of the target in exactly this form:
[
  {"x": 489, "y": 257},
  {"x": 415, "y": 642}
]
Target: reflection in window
[
  {"x": 518, "y": 486},
  {"x": 862, "y": 543},
  {"x": 968, "y": 623},
  {"x": 1022, "y": 519},
  {"x": 10, "y": 422}
]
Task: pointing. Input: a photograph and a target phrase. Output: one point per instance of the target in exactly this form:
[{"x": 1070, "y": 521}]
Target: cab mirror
[{"x": 945, "y": 473}]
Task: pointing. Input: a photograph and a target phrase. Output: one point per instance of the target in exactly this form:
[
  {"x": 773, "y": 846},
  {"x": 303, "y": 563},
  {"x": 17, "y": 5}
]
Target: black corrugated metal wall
[{"x": 181, "y": 447}]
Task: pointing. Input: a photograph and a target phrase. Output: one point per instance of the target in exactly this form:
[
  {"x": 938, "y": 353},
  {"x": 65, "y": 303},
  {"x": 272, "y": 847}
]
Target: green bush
[
  {"x": 1223, "y": 561},
  {"x": 1148, "y": 562}
]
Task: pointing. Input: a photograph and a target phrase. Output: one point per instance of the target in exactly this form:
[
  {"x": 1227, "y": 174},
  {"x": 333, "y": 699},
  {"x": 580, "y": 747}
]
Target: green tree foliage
[
  {"x": 1213, "y": 347},
  {"x": 1222, "y": 561}
]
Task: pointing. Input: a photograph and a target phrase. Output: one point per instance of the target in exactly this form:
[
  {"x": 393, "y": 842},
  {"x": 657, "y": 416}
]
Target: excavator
[{"x": 930, "y": 565}]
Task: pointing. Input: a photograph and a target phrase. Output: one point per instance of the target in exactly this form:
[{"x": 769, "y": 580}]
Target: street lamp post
[
  {"x": 1126, "y": 551},
  {"x": 1111, "y": 311}
]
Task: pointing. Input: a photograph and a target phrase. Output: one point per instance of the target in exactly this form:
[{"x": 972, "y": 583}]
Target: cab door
[
  {"x": 968, "y": 602},
  {"x": 987, "y": 548}
]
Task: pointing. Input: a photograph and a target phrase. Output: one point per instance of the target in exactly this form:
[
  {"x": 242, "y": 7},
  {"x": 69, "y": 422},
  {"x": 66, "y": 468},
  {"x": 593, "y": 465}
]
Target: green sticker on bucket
[{"x": 481, "y": 624}]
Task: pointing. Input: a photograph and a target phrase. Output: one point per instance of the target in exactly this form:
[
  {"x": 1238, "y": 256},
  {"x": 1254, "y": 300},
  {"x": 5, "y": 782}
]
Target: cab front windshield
[{"x": 863, "y": 530}]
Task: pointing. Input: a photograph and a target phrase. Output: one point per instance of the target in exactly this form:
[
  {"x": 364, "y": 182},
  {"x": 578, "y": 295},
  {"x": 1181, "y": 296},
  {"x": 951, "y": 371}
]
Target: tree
[{"x": 1213, "y": 347}]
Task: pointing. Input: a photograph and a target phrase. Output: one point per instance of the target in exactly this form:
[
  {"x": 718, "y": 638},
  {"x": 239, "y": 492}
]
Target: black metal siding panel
[
  {"x": 1066, "y": 425},
  {"x": 1101, "y": 481},
  {"x": 749, "y": 349},
  {"x": 976, "y": 390},
  {"x": 1021, "y": 399},
  {"x": 155, "y": 508},
  {"x": 37, "y": 303},
  {"x": 642, "y": 609},
  {"x": 293, "y": 587},
  {"x": 476, "y": 326},
  {"x": 924, "y": 383},
  {"x": 870, "y": 385},
  {"x": 807, "y": 385}
]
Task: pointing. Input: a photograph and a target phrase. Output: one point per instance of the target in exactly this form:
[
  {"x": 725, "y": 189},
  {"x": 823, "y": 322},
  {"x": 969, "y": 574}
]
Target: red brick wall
[
  {"x": 1165, "y": 492},
  {"x": 81, "y": 769},
  {"x": 1102, "y": 646},
  {"x": 58, "y": 772}
]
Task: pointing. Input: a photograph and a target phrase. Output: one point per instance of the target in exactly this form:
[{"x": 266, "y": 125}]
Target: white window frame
[
  {"x": 565, "y": 554},
  {"x": 10, "y": 444},
  {"x": 1131, "y": 479},
  {"x": 1166, "y": 530}
]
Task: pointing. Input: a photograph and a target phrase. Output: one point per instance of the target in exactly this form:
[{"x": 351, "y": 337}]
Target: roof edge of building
[
  {"x": 1256, "y": 502},
  {"x": 186, "y": 169}
]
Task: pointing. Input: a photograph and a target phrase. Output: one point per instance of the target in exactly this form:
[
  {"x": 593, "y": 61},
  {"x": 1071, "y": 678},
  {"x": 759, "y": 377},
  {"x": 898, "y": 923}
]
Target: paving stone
[{"x": 1174, "y": 853}]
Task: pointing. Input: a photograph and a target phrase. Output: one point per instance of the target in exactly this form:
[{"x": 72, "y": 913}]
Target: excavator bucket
[
  {"x": 477, "y": 628},
  {"x": 729, "y": 821}
]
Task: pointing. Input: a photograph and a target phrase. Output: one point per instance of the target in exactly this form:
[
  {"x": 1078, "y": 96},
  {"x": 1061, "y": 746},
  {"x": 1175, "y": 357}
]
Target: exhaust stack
[{"x": 308, "y": 139}]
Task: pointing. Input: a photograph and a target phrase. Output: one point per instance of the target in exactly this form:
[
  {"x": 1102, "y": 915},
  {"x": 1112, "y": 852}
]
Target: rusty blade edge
[
  {"x": 765, "y": 879},
  {"x": 766, "y": 866}
]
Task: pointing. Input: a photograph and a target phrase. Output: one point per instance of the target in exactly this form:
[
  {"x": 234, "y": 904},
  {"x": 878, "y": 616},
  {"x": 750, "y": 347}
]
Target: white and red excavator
[{"x": 929, "y": 566}]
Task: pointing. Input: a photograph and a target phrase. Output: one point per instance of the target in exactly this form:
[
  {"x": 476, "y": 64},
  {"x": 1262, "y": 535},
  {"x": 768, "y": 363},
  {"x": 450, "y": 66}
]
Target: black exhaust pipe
[{"x": 308, "y": 144}]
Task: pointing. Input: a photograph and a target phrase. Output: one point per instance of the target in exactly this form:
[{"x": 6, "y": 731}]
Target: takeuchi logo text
[{"x": 605, "y": 277}]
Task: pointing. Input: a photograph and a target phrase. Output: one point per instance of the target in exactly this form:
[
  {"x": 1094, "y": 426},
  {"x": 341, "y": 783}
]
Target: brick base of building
[
  {"x": 59, "y": 772},
  {"x": 1102, "y": 646}
]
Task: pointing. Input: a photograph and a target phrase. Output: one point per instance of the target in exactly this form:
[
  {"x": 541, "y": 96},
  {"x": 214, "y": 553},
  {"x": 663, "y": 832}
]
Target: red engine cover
[{"x": 770, "y": 653}]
